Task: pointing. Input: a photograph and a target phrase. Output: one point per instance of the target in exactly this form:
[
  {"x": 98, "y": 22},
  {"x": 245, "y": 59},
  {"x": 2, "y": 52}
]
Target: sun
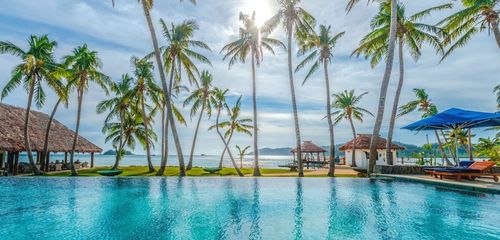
[{"x": 262, "y": 8}]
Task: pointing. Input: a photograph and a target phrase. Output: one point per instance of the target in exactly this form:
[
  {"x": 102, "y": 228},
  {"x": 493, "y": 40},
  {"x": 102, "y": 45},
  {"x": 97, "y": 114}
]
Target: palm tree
[
  {"x": 477, "y": 16},
  {"x": 296, "y": 21},
  {"x": 320, "y": 52},
  {"x": 424, "y": 105},
  {"x": 118, "y": 107},
  {"x": 83, "y": 66},
  {"x": 497, "y": 90},
  {"x": 241, "y": 152},
  {"x": 37, "y": 66},
  {"x": 219, "y": 102},
  {"x": 200, "y": 98},
  {"x": 347, "y": 104},
  {"x": 410, "y": 33},
  {"x": 490, "y": 148},
  {"x": 178, "y": 55},
  {"x": 234, "y": 124},
  {"x": 385, "y": 80},
  {"x": 251, "y": 41}
]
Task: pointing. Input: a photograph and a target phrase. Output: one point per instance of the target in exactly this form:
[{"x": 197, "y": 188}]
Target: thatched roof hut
[
  {"x": 362, "y": 141},
  {"x": 309, "y": 147},
  {"x": 60, "y": 140}
]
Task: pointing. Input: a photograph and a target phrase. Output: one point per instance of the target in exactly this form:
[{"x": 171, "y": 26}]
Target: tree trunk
[
  {"x": 496, "y": 32},
  {"x": 388, "y": 148},
  {"x": 256, "y": 169},
  {"x": 353, "y": 156},
  {"x": 190, "y": 163},
  {"x": 146, "y": 129},
  {"x": 469, "y": 138},
  {"x": 167, "y": 121},
  {"x": 331, "y": 169},
  {"x": 47, "y": 133},
  {"x": 383, "y": 88},
  {"x": 294, "y": 102},
  {"x": 26, "y": 127},
  {"x": 120, "y": 147},
  {"x": 75, "y": 138},
  {"x": 180, "y": 155},
  {"x": 226, "y": 144},
  {"x": 440, "y": 145},
  {"x": 225, "y": 148},
  {"x": 452, "y": 153}
]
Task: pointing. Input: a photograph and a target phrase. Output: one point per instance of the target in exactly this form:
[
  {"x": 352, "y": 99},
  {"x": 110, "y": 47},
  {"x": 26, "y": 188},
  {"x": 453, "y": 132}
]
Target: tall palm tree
[
  {"x": 410, "y": 34},
  {"x": 37, "y": 66},
  {"x": 319, "y": 50},
  {"x": 385, "y": 80},
  {"x": 234, "y": 124},
  {"x": 179, "y": 54},
  {"x": 251, "y": 42},
  {"x": 118, "y": 106},
  {"x": 144, "y": 89},
  {"x": 497, "y": 90},
  {"x": 83, "y": 66},
  {"x": 477, "y": 16},
  {"x": 347, "y": 104},
  {"x": 241, "y": 153},
  {"x": 423, "y": 104},
  {"x": 219, "y": 102},
  {"x": 200, "y": 98},
  {"x": 298, "y": 22}
]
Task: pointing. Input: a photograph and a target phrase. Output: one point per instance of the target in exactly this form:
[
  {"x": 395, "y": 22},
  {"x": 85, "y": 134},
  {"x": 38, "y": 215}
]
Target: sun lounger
[
  {"x": 461, "y": 165},
  {"x": 477, "y": 169}
]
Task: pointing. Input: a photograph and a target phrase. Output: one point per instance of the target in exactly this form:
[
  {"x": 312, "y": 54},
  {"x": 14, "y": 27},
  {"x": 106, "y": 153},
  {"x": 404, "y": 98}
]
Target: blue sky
[{"x": 465, "y": 79}]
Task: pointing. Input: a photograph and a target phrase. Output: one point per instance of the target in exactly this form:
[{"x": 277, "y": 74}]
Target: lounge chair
[
  {"x": 477, "y": 169},
  {"x": 461, "y": 165}
]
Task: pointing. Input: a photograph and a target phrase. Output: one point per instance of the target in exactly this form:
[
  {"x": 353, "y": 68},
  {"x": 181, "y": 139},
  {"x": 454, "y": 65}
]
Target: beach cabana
[
  {"x": 311, "y": 154},
  {"x": 12, "y": 137}
]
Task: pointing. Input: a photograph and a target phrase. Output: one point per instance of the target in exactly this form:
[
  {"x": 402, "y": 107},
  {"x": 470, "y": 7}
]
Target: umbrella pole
[{"x": 456, "y": 149}]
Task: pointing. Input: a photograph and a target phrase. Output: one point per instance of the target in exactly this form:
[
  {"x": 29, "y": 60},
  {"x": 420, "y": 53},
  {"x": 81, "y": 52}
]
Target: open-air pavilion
[
  {"x": 312, "y": 154},
  {"x": 12, "y": 139}
]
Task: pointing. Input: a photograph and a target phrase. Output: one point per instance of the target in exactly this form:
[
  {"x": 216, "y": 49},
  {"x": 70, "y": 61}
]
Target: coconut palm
[
  {"x": 241, "y": 153},
  {"x": 319, "y": 50},
  {"x": 477, "y": 16},
  {"x": 497, "y": 90},
  {"x": 347, "y": 107},
  {"x": 385, "y": 79},
  {"x": 489, "y": 148},
  {"x": 410, "y": 34},
  {"x": 179, "y": 55},
  {"x": 296, "y": 21},
  {"x": 219, "y": 102},
  {"x": 251, "y": 42},
  {"x": 118, "y": 105},
  {"x": 200, "y": 98},
  {"x": 234, "y": 124},
  {"x": 83, "y": 66},
  {"x": 36, "y": 68}
]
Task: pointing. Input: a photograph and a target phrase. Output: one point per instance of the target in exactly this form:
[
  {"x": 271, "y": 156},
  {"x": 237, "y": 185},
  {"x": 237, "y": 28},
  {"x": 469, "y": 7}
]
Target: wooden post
[
  {"x": 318, "y": 156},
  {"x": 10, "y": 162},
  {"x": 1, "y": 160},
  {"x": 65, "y": 158},
  {"x": 91, "y": 159},
  {"x": 47, "y": 162},
  {"x": 324, "y": 156},
  {"x": 16, "y": 163}
]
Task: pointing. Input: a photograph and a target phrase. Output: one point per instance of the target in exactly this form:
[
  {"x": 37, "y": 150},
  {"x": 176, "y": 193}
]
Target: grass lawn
[{"x": 195, "y": 171}]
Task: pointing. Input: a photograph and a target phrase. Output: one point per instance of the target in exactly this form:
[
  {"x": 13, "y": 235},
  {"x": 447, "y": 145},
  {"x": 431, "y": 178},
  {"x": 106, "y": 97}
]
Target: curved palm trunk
[
  {"x": 256, "y": 169},
  {"x": 75, "y": 138},
  {"x": 180, "y": 156},
  {"x": 353, "y": 156},
  {"x": 294, "y": 102},
  {"x": 496, "y": 32},
  {"x": 47, "y": 133},
  {"x": 146, "y": 129},
  {"x": 163, "y": 147},
  {"x": 226, "y": 144},
  {"x": 120, "y": 147},
  {"x": 190, "y": 163},
  {"x": 441, "y": 148},
  {"x": 388, "y": 148},
  {"x": 331, "y": 169},
  {"x": 383, "y": 88},
  {"x": 36, "y": 171},
  {"x": 225, "y": 149}
]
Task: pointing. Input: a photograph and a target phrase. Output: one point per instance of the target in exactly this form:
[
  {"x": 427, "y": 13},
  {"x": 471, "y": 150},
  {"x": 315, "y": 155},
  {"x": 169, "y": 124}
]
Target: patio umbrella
[{"x": 456, "y": 118}]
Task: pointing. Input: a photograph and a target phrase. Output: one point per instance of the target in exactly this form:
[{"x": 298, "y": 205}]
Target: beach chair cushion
[{"x": 482, "y": 166}]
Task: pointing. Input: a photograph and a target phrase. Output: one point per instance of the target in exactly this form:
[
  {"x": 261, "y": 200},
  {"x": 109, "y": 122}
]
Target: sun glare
[{"x": 262, "y": 10}]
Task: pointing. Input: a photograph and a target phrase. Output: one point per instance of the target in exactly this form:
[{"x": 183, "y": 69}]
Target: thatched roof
[
  {"x": 309, "y": 147},
  {"x": 363, "y": 142},
  {"x": 60, "y": 139}
]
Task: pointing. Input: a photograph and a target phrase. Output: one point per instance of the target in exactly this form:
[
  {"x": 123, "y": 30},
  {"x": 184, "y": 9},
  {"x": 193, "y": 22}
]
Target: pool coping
[{"x": 478, "y": 187}]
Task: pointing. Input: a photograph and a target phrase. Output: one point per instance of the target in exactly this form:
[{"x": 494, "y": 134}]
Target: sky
[{"x": 464, "y": 80}]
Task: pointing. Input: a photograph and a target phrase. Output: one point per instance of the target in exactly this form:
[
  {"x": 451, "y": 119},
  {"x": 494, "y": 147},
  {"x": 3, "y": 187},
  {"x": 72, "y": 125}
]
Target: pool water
[{"x": 241, "y": 208}]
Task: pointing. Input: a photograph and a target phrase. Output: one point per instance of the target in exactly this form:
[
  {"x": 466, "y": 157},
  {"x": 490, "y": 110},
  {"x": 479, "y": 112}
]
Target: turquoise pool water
[{"x": 241, "y": 208}]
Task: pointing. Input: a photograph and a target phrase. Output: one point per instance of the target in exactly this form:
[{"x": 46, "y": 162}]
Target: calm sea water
[{"x": 241, "y": 208}]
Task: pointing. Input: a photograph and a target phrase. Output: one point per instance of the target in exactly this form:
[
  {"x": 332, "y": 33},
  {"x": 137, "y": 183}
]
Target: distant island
[{"x": 113, "y": 152}]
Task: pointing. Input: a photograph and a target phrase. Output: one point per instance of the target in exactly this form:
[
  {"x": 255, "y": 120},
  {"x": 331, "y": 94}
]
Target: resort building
[
  {"x": 12, "y": 139},
  {"x": 362, "y": 152}
]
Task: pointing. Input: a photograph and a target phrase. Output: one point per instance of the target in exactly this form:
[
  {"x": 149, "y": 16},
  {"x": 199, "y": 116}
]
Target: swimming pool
[{"x": 241, "y": 208}]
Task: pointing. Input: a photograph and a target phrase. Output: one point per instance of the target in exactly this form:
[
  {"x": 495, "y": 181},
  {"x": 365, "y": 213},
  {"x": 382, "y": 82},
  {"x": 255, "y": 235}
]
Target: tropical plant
[
  {"x": 219, "y": 102},
  {"x": 82, "y": 67},
  {"x": 411, "y": 33},
  {"x": 178, "y": 56},
  {"x": 251, "y": 42},
  {"x": 298, "y": 22},
  {"x": 241, "y": 152},
  {"x": 497, "y": 90},
  {"x": 477, "y": 16},
  {"x": 234, "y": 124},
  {"x": 36, "y": 68},
  {"x": 488, "y": 148},
  {"x": 200, "y": 98},
  {"x": 347, "y": 107},
  {"x": 319, "y": 50}
]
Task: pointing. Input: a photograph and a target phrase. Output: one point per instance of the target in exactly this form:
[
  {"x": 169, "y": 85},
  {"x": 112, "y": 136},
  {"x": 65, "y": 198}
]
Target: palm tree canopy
[
  {"x": 201, "y": 96},
  {"x": 347, "y": 107},
  {"x": 121, "y": 100},
  {"x": 149, "y": 3},
  {"x": 133, "y": 131},
  {"x": 292, "y": 16},
  {"x": 235, "y": 123},
  {"x": 423, "y": 104}
]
